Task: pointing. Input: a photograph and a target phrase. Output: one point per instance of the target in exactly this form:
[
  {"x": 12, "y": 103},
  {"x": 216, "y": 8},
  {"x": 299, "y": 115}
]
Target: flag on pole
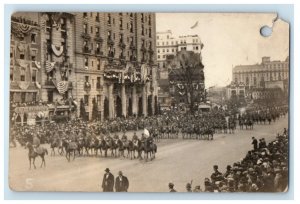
[
  {"x": 195, "y": 25},
  {"x": 146, "y": 132}
]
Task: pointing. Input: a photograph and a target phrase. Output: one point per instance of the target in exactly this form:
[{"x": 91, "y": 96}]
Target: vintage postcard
[{"x": 149, "y": 102}]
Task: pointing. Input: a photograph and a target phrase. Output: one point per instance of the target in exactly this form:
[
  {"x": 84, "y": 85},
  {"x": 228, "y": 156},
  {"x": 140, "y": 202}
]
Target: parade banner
[{"x": 30, "y": 109}]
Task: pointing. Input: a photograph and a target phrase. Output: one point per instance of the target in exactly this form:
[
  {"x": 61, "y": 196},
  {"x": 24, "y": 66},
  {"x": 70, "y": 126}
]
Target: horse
[
  {"x": 249, "y": 123},
  {"x": 208, "y": 132},
  {"x": 241, "y": 124},
  {"x": 32, "y": 154},
  {"x": 70, "y": 147},
  {"x": 56, "y": 143},
  {"x": 149, "y": 148},
  {"x": 110, "y": 144},
  {"x": 136, "y": 147},
  {"x": 231, "y": 127}
]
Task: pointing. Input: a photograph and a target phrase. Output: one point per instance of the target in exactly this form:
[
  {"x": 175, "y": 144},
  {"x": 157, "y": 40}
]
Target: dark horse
[
  {"x": 70, "y": 147},
  {"x": 32, "y": 154},
  {"x": 149, "y": 148},
  {"x": 57, "y": 143}
]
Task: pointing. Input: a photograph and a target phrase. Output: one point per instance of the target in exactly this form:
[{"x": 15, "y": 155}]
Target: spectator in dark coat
[
  {"x": 254, "y": 142},
  {"x": 108, "y": 181},
  {"x": 122, "y": 183}
]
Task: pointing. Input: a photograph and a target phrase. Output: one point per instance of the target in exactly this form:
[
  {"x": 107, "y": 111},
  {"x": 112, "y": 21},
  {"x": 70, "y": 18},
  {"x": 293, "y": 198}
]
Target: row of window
[
  {"x": 174, "y": 42},
  {"x": 281, "y": 65},
  {"x": 143, "y": 17},
  {"x": 130, "y": 27},
  {"x": 23, "y": 75},
  {"x": 280, "y": 74},
  {"x": 23, "y": 97},
  {"x": 32, "y": 37}
]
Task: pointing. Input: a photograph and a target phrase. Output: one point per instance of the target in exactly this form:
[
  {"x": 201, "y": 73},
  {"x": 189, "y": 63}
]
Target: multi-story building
[
  {"x": 116, "y": 63},
  {"x": 167, "y": 46},
  {"x": 265, "y": 80},
  {"x": 267, "y": 74},
  {"x": 25, "y": 67},
  {"x": 25, "y": 48},
  {"x": 67, "y": 59}
]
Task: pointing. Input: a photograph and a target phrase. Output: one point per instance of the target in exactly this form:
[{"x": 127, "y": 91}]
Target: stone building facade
[
  {"x": 269, "y": 79},
  {"x": 116, "y": 63},
  {"x": 64, "y": 59}
]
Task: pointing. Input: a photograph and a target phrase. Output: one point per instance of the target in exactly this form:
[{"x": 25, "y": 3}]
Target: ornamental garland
[
  {"x": 20, "y": 30},
  {"x": 57, "y": 50},
  {"x": 23, "y": 84}
]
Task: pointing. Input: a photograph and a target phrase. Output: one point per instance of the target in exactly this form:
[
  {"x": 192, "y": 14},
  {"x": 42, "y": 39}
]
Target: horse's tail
[{"x": 46, "y": 151}]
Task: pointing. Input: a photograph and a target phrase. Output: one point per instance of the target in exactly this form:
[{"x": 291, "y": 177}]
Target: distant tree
[
  {"x": 187, "y": 75},
  {"x": 82, "y": 110},
  {"x": 95, "y": 111}
]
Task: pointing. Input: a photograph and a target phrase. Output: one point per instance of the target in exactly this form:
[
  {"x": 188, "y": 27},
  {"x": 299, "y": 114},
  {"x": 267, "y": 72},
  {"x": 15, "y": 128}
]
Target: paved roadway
[{"x": 179, "y": 161}]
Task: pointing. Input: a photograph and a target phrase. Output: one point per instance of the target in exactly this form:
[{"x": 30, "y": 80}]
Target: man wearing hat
[
  {"x": 108, "y": 181},
  {"x": 216, "y": 176},
  {"x": 188, "y": 187},
  {"x": 254, "y": 143},
  {"x": 197, "y": 189},
  {"x": 122, "y": 183},
  {"x": 171, "y": 187}
]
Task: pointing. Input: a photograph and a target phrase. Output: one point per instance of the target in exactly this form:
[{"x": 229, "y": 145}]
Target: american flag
[{"x": 49, "y": 66}]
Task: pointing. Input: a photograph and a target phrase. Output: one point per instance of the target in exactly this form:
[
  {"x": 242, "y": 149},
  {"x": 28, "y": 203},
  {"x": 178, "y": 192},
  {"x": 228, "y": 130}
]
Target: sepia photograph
[{"x": 149, "y": 102}]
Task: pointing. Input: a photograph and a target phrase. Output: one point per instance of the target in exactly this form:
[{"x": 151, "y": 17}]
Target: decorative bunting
[
  {"x": 38, "y": 85},
  {"x": 22, "y": 63},
  {"x": 49, "y": 66},
  {"x": 62, "y": 86},
  {"x": 57, "y": 50},
  {"x": 20, "y": 29},
  {"x": 37, "y": 64},
  {"x": 23, "y": 84}
]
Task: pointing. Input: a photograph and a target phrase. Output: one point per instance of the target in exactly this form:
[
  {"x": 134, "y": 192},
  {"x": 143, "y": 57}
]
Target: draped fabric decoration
[
  {"x": 137, "y": 77},
  {"x": 37, "y": 64},
  {"x": 143, "y": 72},
  {"x": 20, "y": 29},
  {"x": 57, "y": 50},
  {"x": 23, "y": 84},
  {"x": 21, "y": 47},
  {"x": 49, "y": 66},
  {"x": 180, "y": 86},
  {"x": 62, "y": 86},
  {"x": 196, "y": 86},
  {"x": 181, "y": 93},
  {"x": 22, "y": 63},
  {"x": 38, "y": 85},
  {"x": 113, "y": 75}
]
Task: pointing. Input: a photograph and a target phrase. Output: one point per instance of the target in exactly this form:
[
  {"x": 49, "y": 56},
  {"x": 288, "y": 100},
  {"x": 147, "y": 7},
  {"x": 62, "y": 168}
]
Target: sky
[{"x": 229, "y": 39}]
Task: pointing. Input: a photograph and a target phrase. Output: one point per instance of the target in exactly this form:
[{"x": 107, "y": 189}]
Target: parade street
[{"x": 178, "y": 161}]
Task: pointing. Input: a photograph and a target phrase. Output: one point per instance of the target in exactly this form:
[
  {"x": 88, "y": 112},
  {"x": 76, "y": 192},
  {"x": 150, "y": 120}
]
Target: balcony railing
[
  {"x": 150, "y": 50},
  {"x": 86, "y": 50},
  {"x": 132, "y": 58},
  {"x": 110, "y": 41},
  {"x": 98, "y": 52},
  {"x": 98, "y": 86},
  {"x": 132, "y": 46},
  {"x": 98, "y": 38},
  {"x": 143, "y": 49},
  {"x": 122, "y": 45},
  {"x": 85, "y": 36},
  {"x": 87, "y": 86}
]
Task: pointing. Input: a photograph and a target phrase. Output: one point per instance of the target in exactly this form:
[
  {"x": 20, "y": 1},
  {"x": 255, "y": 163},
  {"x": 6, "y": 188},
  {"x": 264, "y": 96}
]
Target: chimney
[{"x": 265, "y": 60}]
